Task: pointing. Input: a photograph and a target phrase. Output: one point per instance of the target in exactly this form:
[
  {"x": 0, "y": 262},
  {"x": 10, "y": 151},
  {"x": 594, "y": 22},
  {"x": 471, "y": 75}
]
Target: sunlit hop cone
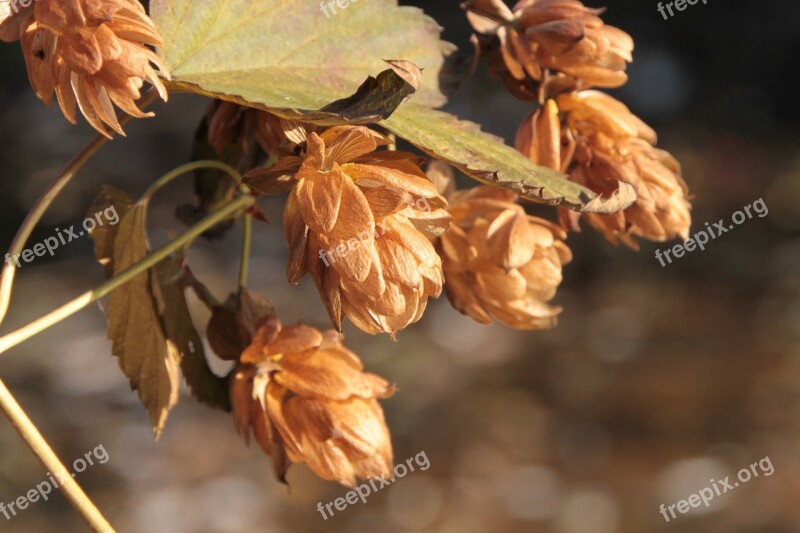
[
  {"x": 92, "y": 53},
  {"x": 361, "y": 222},
  {"x": 599, "y": 142},
  {"x": 500, "y": 262},
  {"x": 306, "y": 399},
  {"x": 561, "y": 35}
]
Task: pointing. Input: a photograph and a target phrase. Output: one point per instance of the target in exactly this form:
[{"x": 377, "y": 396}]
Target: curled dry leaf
[
  {"x": 621, "y": 199},
  {"x": 376, "y": 98}
]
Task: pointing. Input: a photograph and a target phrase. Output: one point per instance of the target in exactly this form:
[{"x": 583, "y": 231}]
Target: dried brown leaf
[
  {"x": 170, "y": 298},
  {"x": 146, "y": 355}
]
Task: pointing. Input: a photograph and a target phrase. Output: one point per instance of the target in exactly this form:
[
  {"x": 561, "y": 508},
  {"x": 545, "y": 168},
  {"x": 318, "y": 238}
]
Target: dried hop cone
[
  {"x": 235, "y": 126},
  {"x": 500, "y": 262},
  {"x": 361, "y": 221},
  {"x": 561, "y": 35},
  {"x": 306, "y": 399},
  {"x": 91, "y": 53},
  {"x": 599, "y": 143}
]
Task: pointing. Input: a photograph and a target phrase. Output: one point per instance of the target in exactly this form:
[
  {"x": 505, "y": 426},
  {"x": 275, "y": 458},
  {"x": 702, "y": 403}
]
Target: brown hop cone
[
  {"x": 231, "y": 124},
  {"x": 361, "y": 222},
  {"x": 500, "y": 262},
  {"x": 562, "y": 35},
  {"x": 599, "y": 143},
  {"x": 306, "y": 399},
  {"x": 91, "y": 53}
]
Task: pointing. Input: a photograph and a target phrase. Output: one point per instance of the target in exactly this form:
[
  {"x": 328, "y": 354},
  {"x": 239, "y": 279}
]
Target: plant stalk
[
  {"x": 45, "y": 200},
  {"x": 24, "y": 333},
  {"x": 244, "y": 263},
  {"x": 36, "y": 442}
]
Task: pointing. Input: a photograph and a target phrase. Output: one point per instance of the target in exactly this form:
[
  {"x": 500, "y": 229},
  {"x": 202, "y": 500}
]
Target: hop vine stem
[
  {"x": 247, "y": 234},
  {"x": 11, "y": 408},
  {"x": 70, "y": 308},
  {"x": 46, "y": 199},
  {"x": 37, "y": 443},
  {"x": 20, "y": 420},
  {"x": 15, "y": 413}
]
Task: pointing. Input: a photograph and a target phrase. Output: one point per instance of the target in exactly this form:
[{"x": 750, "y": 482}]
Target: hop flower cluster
[
  {"x": 559, "y": 35},
  {"x": 554, "y": 52},
  {"x": 374, "y": 231},
  {"x": 92, "y": 55}
]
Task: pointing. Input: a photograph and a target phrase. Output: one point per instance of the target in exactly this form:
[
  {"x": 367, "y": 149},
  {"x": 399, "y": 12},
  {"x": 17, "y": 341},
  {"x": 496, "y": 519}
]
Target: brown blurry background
[{"x": 656, "y": 380}]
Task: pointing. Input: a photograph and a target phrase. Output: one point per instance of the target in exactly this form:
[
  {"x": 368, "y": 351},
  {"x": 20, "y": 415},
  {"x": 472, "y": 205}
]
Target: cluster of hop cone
[{"x": 302, "y": 395}]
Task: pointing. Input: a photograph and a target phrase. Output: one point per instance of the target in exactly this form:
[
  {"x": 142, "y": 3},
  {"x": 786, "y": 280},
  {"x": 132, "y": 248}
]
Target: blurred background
[{"x": 657, "y": 379}]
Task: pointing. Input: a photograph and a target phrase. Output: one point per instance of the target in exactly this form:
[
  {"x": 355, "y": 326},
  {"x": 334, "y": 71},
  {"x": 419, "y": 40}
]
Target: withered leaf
[
  {"x": 105, "y": 234},
  {"x": 254, "y": 310},
  {"x": 146, "y": 356},
  {"x": 170, "y": 297},
  {"x": 223, "y": 332}
]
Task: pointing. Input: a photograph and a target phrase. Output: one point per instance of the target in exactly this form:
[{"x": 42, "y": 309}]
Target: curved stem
[
  {"x": 245, "y": 259},
  {"x": 200, "y": 290},
  {"x": 70, "y": 308},
  {"x": 44, "y": 201},
  {"x": 36, "y": 442},
  {"x": 189, "y": 167}
]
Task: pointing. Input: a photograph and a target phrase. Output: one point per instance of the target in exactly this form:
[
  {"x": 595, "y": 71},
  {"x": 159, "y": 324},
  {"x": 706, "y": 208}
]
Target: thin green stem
[
  {"x": 35, "y": 215},
  {"x": 70, "y": 308},
  {"x": 37, "y": 443},
  {"x": 246, "y": 244},
  {"x": 189, "y": 167},
  {"x": 43, "y": 203}
]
